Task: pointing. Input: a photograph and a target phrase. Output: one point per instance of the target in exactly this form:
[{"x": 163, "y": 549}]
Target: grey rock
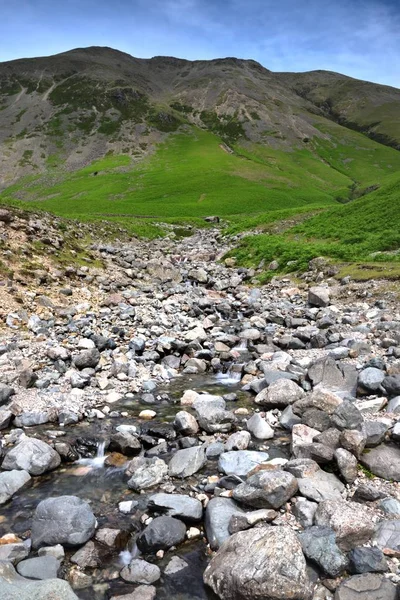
[
  {"x": 87, "y": 556},
  {"x": 304, "y": 511},
  {"x": 150, "y": 473},
  {"x": 347, "y": 416},
  {"x": 288, "y": 419},
  {"x": 63, "y": 520},
  {"x": 42, "y": 567},
  {"x": 241, "y": 462},
  {"x": 387, "y": 536},
  {"x": 5, "y": 393},
  {"x": 392, "y": 385},
  {"x": 319, "y": 545},
  {"x": 186, "y": 462},
  {"x": 11, "y": 482},
  {"x": 282, "y": 392},
  {"x": 87, "y": 359},
  {"x": 375, "y": 432},
  {"x": 126, "y": 443},
  {"x": 175, "y": 565},
  {"x": 142, "y": 592},
  {"x": 371, "y": 379},
  {"x": 390, "y": 506},
  {"x": 5, "y": 418},
  {"x": 347, "y": 464},
  {"x": 14, "y": 553},
  {"x": 31, "y": 455},
  {"x": 212, "y": 416},
  {"x": 15, "y": 587},
  {"x": 176, "y": 505},
  {"x": 384, "y": 461},
  {"x": 259, "y": 427},
  {"x": 367, "y": 560},
  {"x": 393, "y": 405},
  {"x": 141, "y": 571},
  {"x": 185, "y": 423},
  {"x": 266, "y": 489},
  {"x": 219, "y": 512},
  {"x": 366, "y": 587},
  {"x": 241, "y": 522},
  {"x": 320, "y": 486},
  {"x": 32, "y": 418},
  {"x": 353, "y": 523},
  {"x": 319, "y": 296},
  {"x": 353, "y": 441},
  {"x": 161, "y": 534},
  {"x": 215, "y": 450},
  {"x": 265, "y": 563},
  {"x": 238, "y": 441}
]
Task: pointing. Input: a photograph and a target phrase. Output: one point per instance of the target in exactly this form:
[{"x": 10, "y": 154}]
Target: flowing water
[{"x": 104, "y": 487}]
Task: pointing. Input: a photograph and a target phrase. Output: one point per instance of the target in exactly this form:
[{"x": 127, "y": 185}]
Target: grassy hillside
[
  {"x": 193, "y": 174},
  {"x": 367, "y": 229}
]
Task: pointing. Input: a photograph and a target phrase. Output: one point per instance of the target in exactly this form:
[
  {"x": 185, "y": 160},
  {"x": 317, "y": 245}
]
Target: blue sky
[{"x": 356, "y": 37}]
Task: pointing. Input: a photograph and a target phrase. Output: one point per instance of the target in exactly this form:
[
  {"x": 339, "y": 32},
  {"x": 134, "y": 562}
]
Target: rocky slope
[
  {"x": 164, "y": 422},
  {"x": 79, "y": 105}
]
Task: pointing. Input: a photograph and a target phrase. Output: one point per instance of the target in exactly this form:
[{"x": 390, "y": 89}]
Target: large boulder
[
  {"x": 265, "y": 563},
  {"x": 281, "y": 392},
  {"x": 319, "y": 545},
  {"x": 387, "y": 537},
  {"x": 384, "y": 461},
  {"x": 218, "y": 516},
  {"x": 31, "y": 455},
  {"x": 176, "y": 505},
  {"x": 241, "y": 462},
  {"x": 186, "y": 462},
  {"x": 148, "y": 472},
  {"x": 266, "y": 489},
  {"x": 161, "y": 534},
  {"x": 353, "y": 523},
  {"x": 63, "y": 520},
  {"x": 366, "y": 587},
  {"x": 259, "y": 427},
  {"x": 15, "y": 587},
  {"x": 11, "y": 482}
]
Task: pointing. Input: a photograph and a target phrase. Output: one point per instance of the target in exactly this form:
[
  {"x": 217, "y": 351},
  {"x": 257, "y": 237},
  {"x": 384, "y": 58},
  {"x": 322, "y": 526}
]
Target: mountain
[{"x": 96, "y": 131}]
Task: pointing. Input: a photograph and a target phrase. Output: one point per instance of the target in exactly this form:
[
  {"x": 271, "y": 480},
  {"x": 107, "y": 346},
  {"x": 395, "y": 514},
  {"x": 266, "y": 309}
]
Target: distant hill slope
[{"x": 182, "y": 138}]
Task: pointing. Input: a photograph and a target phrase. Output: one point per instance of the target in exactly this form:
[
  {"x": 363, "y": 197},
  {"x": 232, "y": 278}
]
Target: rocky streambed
[{"x": 170, "y": 430}]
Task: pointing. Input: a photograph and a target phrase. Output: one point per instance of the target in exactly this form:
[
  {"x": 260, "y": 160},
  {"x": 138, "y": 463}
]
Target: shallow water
[{"x": 104, "y": 487}]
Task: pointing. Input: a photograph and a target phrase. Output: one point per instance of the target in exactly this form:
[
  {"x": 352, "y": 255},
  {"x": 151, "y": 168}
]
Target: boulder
[
  {"x": 265, "y": 563},
  {"x": 161, "y": 534},
  {"x": 63, "y": 520},
  {"x": 31, "y": 455},
  {"x": 186, "y": 462},
  {"x": 149, "y": 472},
  {"x": 219, "y": 512},
  {"x": 367, "y": 560},
  {"x": 318, "y": 296},
  {"x": 383, "y": 460},
  {"x": 176, "y": 505},
  {"x": 241, "y": 462},
  {"x": 319, "y": 546},
  {"x": 141, "y": 571},
  {"x": 366, "y": 587},
  {"x": 353, "y": 523},
  {"x": 280, "y": 393},
  {"x": 387, "y": 537},
  {"x": 41, "y": 567},
  {"x": 266, "y": 489},
  {"x": 185, "y": 423},
  {"x": 259, "y": 428},
  {"x": 11, "y": 482}
]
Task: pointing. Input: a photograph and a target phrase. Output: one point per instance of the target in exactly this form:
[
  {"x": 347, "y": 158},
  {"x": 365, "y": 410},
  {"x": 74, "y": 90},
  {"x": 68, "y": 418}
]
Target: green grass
[
  {"x": 366, "y": 231},
  {"x": 190, "y": 175}
]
